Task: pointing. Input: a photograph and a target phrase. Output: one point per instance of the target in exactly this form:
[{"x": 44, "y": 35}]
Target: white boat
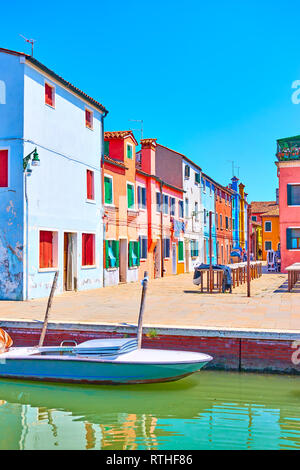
[
  {"x": 103, "y": 361},
  {"x": 79, "y": 365}
]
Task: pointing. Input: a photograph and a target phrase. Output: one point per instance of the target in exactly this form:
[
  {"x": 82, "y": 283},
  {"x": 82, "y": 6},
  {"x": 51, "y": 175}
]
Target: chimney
[{"x": 148, "y": 155}]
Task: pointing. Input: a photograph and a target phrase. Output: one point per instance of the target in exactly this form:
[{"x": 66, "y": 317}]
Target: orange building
[
  {"x": 270, "y": 231},
  {"x": 266, "y": 214},
  {"x": 121, "y": 242}
]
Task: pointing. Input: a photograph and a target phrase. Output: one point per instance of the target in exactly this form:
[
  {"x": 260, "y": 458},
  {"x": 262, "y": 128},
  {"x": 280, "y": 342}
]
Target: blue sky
[{"x": 209, "y": 79}]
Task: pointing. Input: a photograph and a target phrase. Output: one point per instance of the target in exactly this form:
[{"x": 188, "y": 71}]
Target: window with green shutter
[
  {"x": 293, "y": 194},
  {"x": 106, "y": 147},
  {"x": 108, "y": 192},
  {"x": 129, "y": 151},
  {"x": 133, "y": 254},
  {"x": 130, "y": 196},
  {"x": 180, "y": 251},
  {"x": 112, "y": 256},
  {"x": 293, "y": 238}
]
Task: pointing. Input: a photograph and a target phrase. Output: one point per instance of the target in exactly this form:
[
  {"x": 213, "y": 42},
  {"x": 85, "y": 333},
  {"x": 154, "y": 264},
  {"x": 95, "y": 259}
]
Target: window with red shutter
[
  {"x": 49, "y": 94},
  {"x": 88, "y": 249},
  {"x": 90, "y": 184},
  {"x": 46, "y": 249},
  {"x": 89, "y": 119},
  {"x": 3, "y": 168}
]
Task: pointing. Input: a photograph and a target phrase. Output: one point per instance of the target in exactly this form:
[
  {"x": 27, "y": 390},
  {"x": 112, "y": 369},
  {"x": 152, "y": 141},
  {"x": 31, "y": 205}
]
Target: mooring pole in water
[
  {"x": 142, "y": 306},
  {"x": 48, "y": 310}
]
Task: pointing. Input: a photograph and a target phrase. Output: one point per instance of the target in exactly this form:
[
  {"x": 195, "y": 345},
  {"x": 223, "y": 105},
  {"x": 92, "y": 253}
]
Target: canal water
[{"x": 209, "y": 410}]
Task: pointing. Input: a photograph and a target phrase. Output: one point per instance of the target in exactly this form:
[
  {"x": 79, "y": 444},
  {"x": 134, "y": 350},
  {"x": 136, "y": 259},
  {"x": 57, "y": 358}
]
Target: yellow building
[{"x": 270, "y": 231}]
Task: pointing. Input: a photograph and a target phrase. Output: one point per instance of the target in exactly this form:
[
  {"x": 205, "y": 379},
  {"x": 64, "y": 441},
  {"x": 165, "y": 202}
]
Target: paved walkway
[{"x": 172, "y": 301}]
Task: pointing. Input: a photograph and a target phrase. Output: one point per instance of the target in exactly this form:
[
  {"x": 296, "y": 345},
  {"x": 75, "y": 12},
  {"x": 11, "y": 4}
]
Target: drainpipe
[
  {"x": 26, "y": 241},
  {"x": 162, "y": 230}
]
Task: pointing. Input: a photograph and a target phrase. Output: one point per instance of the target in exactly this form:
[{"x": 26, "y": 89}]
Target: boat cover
[{"x": 112, "y": 346}]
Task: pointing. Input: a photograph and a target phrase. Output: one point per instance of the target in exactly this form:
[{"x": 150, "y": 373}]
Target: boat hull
[{"x": 128, "y": 369}]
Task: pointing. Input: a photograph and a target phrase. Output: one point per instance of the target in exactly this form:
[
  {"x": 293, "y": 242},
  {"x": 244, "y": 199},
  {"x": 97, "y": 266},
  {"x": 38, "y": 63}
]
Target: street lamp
[{"x": 35, "y": 161}]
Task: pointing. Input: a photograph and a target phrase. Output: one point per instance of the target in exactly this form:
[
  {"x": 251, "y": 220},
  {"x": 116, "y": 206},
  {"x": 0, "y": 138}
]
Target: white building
[
  {"x": 51, "y": 214},
  {"x": 193, "y": 237}
]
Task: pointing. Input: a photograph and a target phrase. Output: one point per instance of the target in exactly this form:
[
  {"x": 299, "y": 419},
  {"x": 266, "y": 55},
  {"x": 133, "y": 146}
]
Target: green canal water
[{"x": 210, "y": 410}]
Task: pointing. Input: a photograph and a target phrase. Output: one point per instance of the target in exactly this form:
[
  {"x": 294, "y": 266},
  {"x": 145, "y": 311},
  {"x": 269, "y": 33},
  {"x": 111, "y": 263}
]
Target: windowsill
[
  {"x": 93, "y": 266},
  {"x": 132, "y": 267},
  {"x": 111, "y": 269},
  {"x": 90, "y": 128},
  {"x": 142, "y": 209},
  {"x": 180, "y": 261},
  {"x": 106, "y": 204},
  {"x": 132, "y": 210},
  {"x": 48, "y": 270},
  {"x": 143, "y": 259},
  {"x": 90, "y": 201},
  {"x": 50, "y": 106}
]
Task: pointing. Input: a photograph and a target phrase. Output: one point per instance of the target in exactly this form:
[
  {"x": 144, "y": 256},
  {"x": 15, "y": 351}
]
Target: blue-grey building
[
  {"x": 50, "y": 202},
  {"x": 208, "y": 189}
]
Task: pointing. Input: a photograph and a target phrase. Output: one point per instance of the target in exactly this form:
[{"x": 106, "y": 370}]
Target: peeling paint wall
[
  {"x": 11, "y": 198},
  {"x": 57, "y": 189}
]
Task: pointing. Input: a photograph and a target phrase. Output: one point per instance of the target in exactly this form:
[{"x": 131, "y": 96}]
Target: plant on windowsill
[{"x": 152, "y": 334}]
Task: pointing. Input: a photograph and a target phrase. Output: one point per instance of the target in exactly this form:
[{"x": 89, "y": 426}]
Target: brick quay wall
[{"x": 245, "y": 350}]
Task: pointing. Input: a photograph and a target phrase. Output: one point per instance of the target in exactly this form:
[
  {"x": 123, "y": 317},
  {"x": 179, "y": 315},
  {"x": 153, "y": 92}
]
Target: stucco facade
[
  {"x": 208, "y": 204},
  {"x": 223, "y": 224},
  {"x": 51, "y": 198},
  {"x": 193, "y": 215}
]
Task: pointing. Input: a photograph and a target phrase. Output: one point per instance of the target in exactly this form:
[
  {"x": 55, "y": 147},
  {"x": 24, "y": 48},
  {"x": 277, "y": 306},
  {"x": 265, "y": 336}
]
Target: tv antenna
[
  {"x": 30, "y": 41},
  {"x": 141, "y": 128},
  {"x": 233, "y": 167}
]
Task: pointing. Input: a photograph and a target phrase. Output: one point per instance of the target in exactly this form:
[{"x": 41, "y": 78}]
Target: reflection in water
[{"x": 210, "y": 410}]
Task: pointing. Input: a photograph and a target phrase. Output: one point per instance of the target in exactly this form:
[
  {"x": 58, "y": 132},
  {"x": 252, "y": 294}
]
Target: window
[
  {"x": 172, "y": 205},
  {"x": 166, "y": 247},
  {"x": 268, "y": 226},
  {"x": 129, "y": 151},
  {"x": 106, "y": 147},
  {"x": 187, "y": 171},
  {"x": 254, "y": 218},
  {"x": 180, "y": 209},
  {"x": 221, "y": 222},
  {"x": 142, "y": 197},
  {"x": 227, "y": 223},
  {"x": 158, "y": 202},
  {"x": 49, "y": 95},
  {"x": 112, "y": 254},
  {"x": 48, "y": 249},
  {"x": 196, "y": 212},
  {"x": 205, "y": 216},
  {"x": 268, "y": 245},
  {"x": 3, "y": 168},
  {"x": 197, "y": 178},
  {"x": 143, "y": 247},
  {"x": 89, "y": 119},
  {"x": 165, "y": 204},
  {"x": 233, "y": 224},
  {"x": 194, "y": 249},
  {"x": 186, "y": 210},
  {"x": 90, "y": 190},
  {"x": 108, "y": 190},
  {"x": 88, "y": 249},
  {"x": 204, "y": 185},
  {"x": 133, "y": 254},
  {"x": 130, "y": 196},
  {"x": 217, "y": 221},
  {"x": 180, "y": 252},
  {"x": 293, "y": 194},
  {"x": 293, "y": 238}
]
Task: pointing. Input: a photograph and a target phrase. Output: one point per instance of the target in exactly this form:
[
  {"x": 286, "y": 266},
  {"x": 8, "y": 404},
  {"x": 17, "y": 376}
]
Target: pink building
[{"x": 288, "y": 172}]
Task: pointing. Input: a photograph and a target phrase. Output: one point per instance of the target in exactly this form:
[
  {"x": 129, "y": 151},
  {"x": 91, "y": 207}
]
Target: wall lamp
[{"x": 35, "y": 161}]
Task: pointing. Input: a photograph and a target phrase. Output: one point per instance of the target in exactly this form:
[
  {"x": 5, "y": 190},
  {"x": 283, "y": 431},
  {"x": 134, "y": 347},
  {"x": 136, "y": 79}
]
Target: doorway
[
  {"x": 157, "y": 260},
  {"x": 123, "y": 260},
  {"x": 70, "y": 257},
  {"x": 174, "y": 258}
]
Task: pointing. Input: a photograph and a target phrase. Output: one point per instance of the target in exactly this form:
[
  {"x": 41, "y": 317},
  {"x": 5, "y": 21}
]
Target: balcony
[{"x": 288, "y": 149}]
